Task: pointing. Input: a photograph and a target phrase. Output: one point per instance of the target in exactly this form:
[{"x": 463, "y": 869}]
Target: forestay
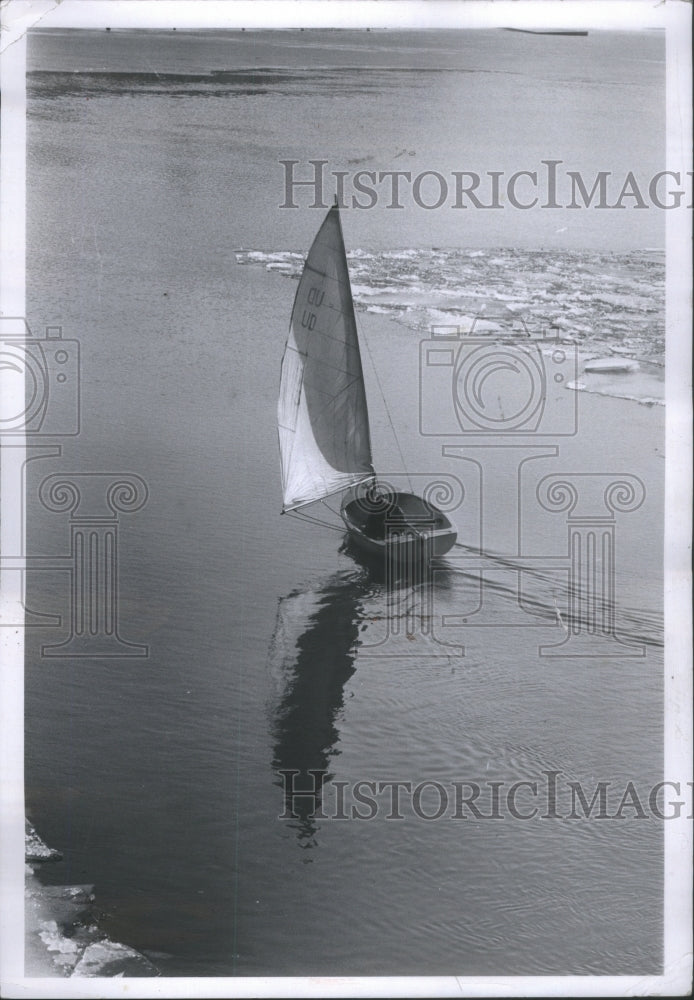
[{"x": 322, "y": 415}]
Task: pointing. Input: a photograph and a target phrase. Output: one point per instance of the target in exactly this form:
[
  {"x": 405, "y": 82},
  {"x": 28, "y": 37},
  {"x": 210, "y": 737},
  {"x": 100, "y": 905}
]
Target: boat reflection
[{"x": 312, "y": 658}]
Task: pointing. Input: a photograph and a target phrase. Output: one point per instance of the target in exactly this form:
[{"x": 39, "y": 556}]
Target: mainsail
[{"x": 322, "y": 415}]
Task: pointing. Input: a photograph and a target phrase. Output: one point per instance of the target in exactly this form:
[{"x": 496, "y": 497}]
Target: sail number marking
[{"x": 314, "y": 298}]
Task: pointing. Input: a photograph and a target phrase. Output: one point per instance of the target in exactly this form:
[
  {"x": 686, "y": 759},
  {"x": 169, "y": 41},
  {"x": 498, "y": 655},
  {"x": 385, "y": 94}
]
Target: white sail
[{"x": 322, "y": 415}]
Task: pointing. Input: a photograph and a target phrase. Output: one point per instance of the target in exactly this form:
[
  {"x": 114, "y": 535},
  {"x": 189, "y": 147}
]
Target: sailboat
[{"x": 323, "y": 421}]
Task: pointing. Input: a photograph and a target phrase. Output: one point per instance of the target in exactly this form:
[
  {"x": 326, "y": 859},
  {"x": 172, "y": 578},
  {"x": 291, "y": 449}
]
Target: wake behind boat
[{"x": 323, "y": 421}]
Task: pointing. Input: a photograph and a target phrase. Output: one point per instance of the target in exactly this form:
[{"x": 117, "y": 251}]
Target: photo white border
[{"x": 20, "y": 15}]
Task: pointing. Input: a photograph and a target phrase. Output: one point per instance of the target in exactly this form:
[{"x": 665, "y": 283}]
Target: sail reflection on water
[{"x": 312, "y": 658}]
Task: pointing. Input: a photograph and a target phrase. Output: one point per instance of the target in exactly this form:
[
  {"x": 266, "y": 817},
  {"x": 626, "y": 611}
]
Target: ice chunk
[
  {"x": 55, "y": 940},
  {"x": 108, "y": 958},
  {"x": 35, "y": 849},
  {"x": 612, "y": 366}
]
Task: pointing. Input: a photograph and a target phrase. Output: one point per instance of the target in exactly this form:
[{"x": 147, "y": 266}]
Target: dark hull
[{"x": 406, "y": 528}]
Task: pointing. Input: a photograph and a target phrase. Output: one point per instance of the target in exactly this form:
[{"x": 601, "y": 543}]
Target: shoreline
[{"x": 62, "y": 937}]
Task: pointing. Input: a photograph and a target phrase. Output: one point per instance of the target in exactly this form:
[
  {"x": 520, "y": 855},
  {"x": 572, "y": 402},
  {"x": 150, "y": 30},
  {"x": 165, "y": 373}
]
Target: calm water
[{"x": 269, "y": 647}]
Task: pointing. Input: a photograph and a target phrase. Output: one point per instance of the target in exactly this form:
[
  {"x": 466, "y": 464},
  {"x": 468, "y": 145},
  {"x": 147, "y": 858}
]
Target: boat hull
[{"x": 403, "y": 527}]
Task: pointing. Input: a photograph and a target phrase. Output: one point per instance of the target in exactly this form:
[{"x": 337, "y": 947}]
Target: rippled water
[{"x": 270, "y": 648}]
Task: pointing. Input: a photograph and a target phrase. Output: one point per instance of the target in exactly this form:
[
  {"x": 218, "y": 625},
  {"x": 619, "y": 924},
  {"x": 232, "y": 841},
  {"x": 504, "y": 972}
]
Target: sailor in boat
[{"x": 376, "y": 522}]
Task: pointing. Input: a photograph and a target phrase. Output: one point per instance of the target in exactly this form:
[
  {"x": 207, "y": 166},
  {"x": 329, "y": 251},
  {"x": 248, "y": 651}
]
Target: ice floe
[
  {"x": 63, "y": 936},
  {"x": 607, "y": 303}
]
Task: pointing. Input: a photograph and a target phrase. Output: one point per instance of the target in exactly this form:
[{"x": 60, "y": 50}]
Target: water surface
[{"x": 269, "y": 648}]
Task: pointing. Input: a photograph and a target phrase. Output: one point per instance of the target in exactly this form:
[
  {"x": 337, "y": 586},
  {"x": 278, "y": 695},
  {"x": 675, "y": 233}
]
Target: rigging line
[
  {"x": 390, "y": 420},
  {"x": 302, "y": 516},
  {"x": 314, "y": 520},
  {"x": 331, "y": 509}
]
